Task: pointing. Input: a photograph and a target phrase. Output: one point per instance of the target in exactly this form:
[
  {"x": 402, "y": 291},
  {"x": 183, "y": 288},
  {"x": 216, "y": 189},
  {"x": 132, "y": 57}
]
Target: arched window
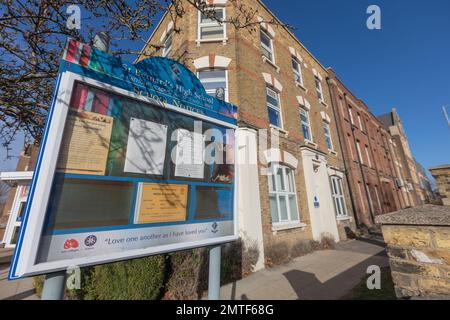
[
  {"x": 282, "y": 194},
  {"x": 337, "y": 192}
]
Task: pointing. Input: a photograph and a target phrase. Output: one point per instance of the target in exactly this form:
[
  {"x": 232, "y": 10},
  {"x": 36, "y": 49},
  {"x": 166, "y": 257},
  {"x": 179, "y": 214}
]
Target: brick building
[
  {"x": 19, "y": 180},
  {"x": 279, "y": 87},
  {"x": 367, "y": 150},
  {"x": 442, "y": 176},
  {"x": 409, "y": 172}
]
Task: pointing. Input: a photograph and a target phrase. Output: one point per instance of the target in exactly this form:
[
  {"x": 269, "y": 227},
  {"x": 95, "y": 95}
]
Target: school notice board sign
[{"x": 136, "y": 159}]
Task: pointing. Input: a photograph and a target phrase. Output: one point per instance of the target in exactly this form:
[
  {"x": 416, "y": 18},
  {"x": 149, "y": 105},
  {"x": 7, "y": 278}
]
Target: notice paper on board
[
  {"x": 85, "y": 145},
  {"x": 189, "y": 154},
  {"x": 146, "y": 147},
  {"x": 160, "y": 202}
]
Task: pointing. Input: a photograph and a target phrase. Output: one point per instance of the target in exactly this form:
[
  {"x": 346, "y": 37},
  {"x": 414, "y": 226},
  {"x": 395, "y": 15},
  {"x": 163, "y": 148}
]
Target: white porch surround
[
  {"x": 20, "y": 179},
  {"x": 318, "y": 190},
  {"x": 249, "y": 203}
]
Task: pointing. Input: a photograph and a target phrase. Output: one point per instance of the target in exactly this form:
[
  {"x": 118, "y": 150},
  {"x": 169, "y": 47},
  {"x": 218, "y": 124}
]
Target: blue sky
[{"x": 406, "y": 64}]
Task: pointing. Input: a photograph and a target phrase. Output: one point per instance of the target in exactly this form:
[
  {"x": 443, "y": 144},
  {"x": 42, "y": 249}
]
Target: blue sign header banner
[{"x": 161, "y": 79}]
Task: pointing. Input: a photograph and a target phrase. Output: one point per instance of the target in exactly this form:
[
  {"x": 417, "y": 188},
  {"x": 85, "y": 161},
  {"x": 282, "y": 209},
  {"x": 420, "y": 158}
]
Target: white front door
[
  {"x": 320, "y": 202},
  {"x": 15, "y": 216}
]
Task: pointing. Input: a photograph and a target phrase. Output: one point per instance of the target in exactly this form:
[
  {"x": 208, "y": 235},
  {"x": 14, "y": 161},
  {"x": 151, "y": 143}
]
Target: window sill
[
  {"x": 332, "y": 152},
  {"x": 309, "y": 142},
  {"x": 344, "y": 218},
  {"x": 281, "y": 130},
  {"x": 265, "y": 59},
  {"x": 300, "y": 85},
  {"x": 323, "y": 102},
  {"x": 280, "y": 226},
  {"x": 200, "y": 41}
]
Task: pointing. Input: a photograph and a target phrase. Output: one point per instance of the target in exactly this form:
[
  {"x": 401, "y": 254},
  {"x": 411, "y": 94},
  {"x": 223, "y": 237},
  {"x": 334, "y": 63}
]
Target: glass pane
[
  {"x": 213, "y": 203},
  {"x": 337, "y": 207},
  {"x": 214, "y": 85},
  {"x": 21, "y": 211},
  {"x": 339, "y": 184},
  {"x": 280, "y": 180},
  {"x": 211, "y": 74},
  {"x": 15, "y": 235},
  {"x": 290, "y": 175},
  {"x": 77, "y": 203},
  {"x": 341, "y": 201},
  {"x": 283, "y": 209},
  {"x": 273, "y": 208},
  {"x": 271, "y": 179},
  {"x": 212, "y": 32},
  {"x": 265, "y": 39},
  {"x": 293, "y": 207},
  {"x": 274, "y": 117},
  {"x": 294, "y": 65},
  {"x": 272, "y": 101},
  {"x": 266, "y": 53},
  {"x": 218, "y": 15},
  {"x": 306, "y": 134}
]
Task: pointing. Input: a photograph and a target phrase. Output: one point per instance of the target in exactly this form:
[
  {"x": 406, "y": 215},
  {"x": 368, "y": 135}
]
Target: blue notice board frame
[{"x": 158, "y": 82}]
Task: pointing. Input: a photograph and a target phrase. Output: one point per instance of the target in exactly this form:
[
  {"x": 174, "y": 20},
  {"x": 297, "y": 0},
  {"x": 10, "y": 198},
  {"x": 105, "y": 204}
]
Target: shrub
[
  {"x": 38, "y": 283},
  {"x": 301, "y": 248},
  {"x": 277, "y": 253},
  {"x": 327, "y": 242},
  {"x": 139, "y": 279},
  {"x": 238, "y": 260},
  {"x": 187, "y": 275}
]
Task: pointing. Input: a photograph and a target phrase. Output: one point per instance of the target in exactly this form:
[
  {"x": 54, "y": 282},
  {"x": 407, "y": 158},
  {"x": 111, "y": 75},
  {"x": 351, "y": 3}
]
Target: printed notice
[
  {"x": 189, "y": 154},
  {"x": 146, "y": 147},
  {"x": 85, "y": 144},
  {"x": 161, "y": 202}
]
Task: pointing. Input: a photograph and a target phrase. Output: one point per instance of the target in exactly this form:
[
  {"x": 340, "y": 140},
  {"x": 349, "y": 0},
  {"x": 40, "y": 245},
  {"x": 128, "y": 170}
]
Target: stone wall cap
[
  {"x": 428, "y": 215},
  {"x": 443, "y": 166}
]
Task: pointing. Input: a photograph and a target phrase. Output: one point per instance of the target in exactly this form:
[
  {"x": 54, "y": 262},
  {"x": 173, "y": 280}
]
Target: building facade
[
  {"x": 19, "y": 180},
  {"x": 292, "y": 183},
  {"x": 409, "y": 172},
  {"x": 442, "y": 176},
  {"x": 367, "y": 151}
]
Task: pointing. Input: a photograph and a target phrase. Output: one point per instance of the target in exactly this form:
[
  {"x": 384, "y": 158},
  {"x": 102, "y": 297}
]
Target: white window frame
[
  {"x": 340, "y": 206},
  {"x": 319, "y": 89},
  {"x": 297, "y": 72},
  {"x": 168, "y": 50},
  {"x": 326, "y": 126},
  {"x": 368, "y": 156},
  {"x": 358, "y": 150},
  {"x": 378, "y": 199},
  {"x": 201, "y": 24},
  {"x": 211, "y": 80},
  {"x": 349, "y": 141},
  {"x": 278, "y": 109},
  {"x": 277, "y": 192},
  {"x": 360, "y": 123},
  {"x": 263, "y": 45},
  {"x": 302, "y": 108},
  {"x": 351, "y": 115}
]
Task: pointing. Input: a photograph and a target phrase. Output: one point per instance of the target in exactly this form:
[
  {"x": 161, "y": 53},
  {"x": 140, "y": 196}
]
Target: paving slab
[
  {"x": 22, "y": 289},
  {"x": 322, "y": 275}
]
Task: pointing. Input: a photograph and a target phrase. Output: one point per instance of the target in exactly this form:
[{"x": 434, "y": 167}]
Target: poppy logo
[{"x": 70, "y": 244}]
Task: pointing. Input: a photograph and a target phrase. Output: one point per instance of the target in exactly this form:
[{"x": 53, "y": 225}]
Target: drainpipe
[
  {"x": 359, "y": 163},
  {"x": 331, "y": 85}
]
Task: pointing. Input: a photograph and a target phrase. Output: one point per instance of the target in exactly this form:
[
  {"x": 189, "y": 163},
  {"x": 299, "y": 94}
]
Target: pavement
[
  {"x": 21, "y": 289},
  {"x": 321, "y": 275}
]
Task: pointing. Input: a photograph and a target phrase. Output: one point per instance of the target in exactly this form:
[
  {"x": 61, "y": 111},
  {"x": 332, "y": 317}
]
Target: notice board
[{"x": 136, "y": 159}]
